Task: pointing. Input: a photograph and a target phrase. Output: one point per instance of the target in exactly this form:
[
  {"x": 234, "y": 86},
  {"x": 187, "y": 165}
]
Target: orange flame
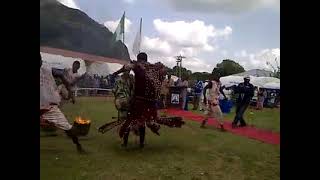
[{"x": 80, "y": 120}]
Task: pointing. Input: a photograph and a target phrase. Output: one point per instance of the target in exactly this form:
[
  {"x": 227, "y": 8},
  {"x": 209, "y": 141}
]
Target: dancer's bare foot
[{"x": 222, "y": 128}]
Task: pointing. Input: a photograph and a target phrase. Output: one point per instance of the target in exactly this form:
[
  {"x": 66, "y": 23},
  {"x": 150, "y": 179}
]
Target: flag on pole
[
  {"x": 137, "y": 41},
  {"x": 119, "y": 32}
]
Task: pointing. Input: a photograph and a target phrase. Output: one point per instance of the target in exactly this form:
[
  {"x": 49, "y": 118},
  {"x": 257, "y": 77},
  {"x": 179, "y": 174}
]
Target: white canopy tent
[
  {"x": 256, "y": 81},
  {"x": 61, "y": 62},
  {"x": 261, "y": 81},
  {"x": 98, "y": 68},
  {"x": 272, "y": 85},
  {"x": 231, "y": 80},
  {"x": 91, "y": 67},
  {"x": 56, "y": 61},
  {"x": 113, "y": 67},
  {"x": 256, "y": 73}
]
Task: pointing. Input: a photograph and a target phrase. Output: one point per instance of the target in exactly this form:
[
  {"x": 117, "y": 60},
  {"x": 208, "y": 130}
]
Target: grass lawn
[
  {"x": 189, "y": 153},
  {"x": 268, "y": 118}
]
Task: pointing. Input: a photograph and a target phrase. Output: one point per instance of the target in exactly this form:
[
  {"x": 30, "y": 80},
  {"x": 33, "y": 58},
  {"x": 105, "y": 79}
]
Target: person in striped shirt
[{"x": 49, "y": 106}]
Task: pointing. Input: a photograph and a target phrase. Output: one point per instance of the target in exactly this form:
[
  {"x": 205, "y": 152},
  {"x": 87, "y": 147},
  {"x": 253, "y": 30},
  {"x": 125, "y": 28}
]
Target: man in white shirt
[
  {"x": 184, "y": 92},
  {"x": 211, "y": 95},
  {"x": 165, "y": 89},
  {"x": 49, "y": 102},
  {"x": 69, "y": 77},
  {"x": 202, "y": 104}
]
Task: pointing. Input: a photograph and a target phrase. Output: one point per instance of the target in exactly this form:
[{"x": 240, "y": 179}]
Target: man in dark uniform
[{"x": 246, "y": 92}]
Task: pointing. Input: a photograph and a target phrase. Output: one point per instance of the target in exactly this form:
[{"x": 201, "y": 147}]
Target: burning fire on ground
[{"x": 80, "y": 120}]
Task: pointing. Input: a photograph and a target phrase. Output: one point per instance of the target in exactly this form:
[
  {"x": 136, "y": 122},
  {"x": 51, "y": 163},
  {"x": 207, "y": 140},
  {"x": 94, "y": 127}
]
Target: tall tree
[
  {"x": 200, "y": 76},
  {"x": 184, "y": 71},
  {"x": 227, "y": 67},
  {"x": 276, "y": 70}
]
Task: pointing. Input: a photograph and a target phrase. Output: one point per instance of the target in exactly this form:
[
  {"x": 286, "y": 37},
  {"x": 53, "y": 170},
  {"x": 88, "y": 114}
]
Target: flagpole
[
  {"x": 140, "y": 25},
  {"x": 124, "y": 20},
  {"x": 140, "y": 34}
]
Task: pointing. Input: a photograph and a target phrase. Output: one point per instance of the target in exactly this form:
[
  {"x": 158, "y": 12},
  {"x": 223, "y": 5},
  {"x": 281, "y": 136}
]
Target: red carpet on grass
[{"x": 250, "y": 132}]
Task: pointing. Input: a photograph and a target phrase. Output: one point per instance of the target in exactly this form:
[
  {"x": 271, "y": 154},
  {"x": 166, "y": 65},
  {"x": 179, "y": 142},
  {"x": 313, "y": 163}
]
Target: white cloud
[
  {"x": 225, "y": 6},
  {"x": 190, "y": 39},
  {"x": 276, "y": 52},
  {"x": 69, "y": 3},
  {"x": 169, "y": 61},
  {"x": 224, "y": 52},
  {"x": 226, "y": 32},
  {"x": 156, "y": 46},
  {"x": 194, "y": 34},
  {"x": 208, "y": 48},
  {"x": 129, "y": 1},
  {"x": 243, "y": 53},
  {"x": 161, "y": 50},
  {"x": 188, "y": 52},
  {"x": 186, "y": 38},
  {"x": 112, "y": 25},
  {"x": 197, "y": 65},
  {"x": 191, "y": 63},
  {"x": 259, "y": 59}
]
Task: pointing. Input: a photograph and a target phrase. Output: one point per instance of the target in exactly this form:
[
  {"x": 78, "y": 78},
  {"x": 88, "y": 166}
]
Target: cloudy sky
[{"x": 205, "y": 31}]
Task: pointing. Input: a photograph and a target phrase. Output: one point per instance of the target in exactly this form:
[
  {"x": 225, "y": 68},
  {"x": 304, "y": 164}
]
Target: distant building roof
[
  {"x": 84, "y": 56},
  {"x": 256, "y": 73}
]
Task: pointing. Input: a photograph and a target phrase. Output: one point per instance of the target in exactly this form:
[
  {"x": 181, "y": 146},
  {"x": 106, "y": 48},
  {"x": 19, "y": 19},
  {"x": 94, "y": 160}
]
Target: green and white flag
[
  {"x": 137, "y": 41},
  {"x": 119, "y": 32}
]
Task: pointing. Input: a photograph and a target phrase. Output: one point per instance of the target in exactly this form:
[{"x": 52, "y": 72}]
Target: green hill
[{"x": 71, "y": 29}]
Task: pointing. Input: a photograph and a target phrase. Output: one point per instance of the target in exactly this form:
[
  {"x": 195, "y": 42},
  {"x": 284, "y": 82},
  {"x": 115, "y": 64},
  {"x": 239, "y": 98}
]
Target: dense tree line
[{"x": 225, "y": 68}]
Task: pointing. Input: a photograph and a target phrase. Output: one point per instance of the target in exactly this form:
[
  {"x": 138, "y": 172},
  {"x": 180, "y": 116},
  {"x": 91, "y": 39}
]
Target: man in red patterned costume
[{"x": 143, "y": 110}]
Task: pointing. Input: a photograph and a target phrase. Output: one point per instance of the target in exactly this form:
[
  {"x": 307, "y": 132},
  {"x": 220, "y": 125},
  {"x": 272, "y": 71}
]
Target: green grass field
[
  {"x": 267, "y": 118},
  {"x": 188, "y": 153}
]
